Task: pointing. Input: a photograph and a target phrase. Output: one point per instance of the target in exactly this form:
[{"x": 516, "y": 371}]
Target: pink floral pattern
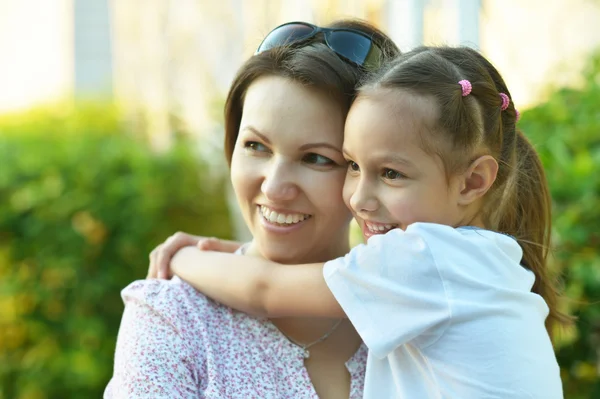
[{"x": 176, "y": 343}]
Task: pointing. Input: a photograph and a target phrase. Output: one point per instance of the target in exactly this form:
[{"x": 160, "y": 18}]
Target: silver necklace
[{"x": 313, "y": 343}]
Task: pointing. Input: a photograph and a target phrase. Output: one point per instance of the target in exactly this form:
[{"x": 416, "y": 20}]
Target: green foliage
[
  {"x": 82, "y": 203},
  {"x": 566, "y": 130}
]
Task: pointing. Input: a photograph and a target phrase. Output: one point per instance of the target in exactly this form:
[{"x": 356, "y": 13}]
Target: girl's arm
[{"x": 257, "y": 286}]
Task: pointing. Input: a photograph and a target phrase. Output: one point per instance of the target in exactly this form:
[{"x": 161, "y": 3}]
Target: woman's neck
[
  {"x": 340, "y": 337},
  {"x": 306, "y": 330},
  {"x": 328, "y": 253}
]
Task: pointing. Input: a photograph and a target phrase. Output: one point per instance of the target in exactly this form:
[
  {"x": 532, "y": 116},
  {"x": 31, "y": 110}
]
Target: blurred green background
[
  {"x": 84, "y": 200},
  {"x": 566, "y": 130}
]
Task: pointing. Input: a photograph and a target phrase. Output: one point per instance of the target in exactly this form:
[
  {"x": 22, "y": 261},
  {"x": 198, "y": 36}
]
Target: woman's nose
[{"x": 279, "y": 183}]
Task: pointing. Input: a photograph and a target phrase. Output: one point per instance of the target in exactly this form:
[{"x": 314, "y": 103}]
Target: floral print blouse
[{"x": 176, "y": 343}]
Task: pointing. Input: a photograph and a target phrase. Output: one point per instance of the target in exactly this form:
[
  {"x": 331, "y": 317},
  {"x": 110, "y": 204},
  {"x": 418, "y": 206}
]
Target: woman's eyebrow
[
  {"x": 256, "y": 132},
  {"x": 320, "y": 144}
]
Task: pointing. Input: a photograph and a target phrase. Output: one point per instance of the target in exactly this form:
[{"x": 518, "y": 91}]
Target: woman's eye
[
  {"x": 353, "y": 166},
  {"x": 316, "y": 159},
  {"x": 255, "y": 146},
  {"x": 392, "y": 174}
]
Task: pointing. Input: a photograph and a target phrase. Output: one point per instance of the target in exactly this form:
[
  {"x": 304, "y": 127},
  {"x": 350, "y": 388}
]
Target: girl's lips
[{"x": 368, "y": 233}]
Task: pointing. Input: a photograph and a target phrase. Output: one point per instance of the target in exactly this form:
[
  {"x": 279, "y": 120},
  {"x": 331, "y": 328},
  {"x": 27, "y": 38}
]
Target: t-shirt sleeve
[
  {"x": 391, "y": 290},
  {"x": 152, "y": 359}
]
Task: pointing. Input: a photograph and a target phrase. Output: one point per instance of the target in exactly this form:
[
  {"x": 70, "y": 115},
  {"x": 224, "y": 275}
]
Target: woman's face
[{"x": 288, "y": 171}]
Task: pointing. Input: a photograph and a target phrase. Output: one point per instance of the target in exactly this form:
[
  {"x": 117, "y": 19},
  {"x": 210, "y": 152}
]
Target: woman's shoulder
[
  {"x": 175, "y": 301},
  {"x": 161, "y": 293}
]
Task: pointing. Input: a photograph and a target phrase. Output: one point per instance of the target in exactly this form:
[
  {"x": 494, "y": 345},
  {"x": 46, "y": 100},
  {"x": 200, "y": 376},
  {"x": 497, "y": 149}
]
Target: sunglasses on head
[{"x": 352, "y": 45}]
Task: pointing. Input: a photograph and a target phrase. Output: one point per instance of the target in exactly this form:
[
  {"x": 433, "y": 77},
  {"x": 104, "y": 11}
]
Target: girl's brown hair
[
  {"x": 312, "y": 63},
  {"x": 518, "y": 203}
]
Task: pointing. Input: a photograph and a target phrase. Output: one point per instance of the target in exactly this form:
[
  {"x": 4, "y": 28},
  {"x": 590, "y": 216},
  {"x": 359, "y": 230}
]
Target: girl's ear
[{"x": 477, "y": 179}]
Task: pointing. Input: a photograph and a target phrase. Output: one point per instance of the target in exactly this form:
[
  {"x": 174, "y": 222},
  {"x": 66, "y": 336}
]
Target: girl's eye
[
  {"x": 316, "y": 159},
  {"x": 255, "y": 146},
  {"x": 392, "y": 174},
  {"x": 353, "y": 166}
]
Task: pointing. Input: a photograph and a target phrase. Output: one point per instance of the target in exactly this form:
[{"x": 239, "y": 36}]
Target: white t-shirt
[{"x": 446, "y": 313}]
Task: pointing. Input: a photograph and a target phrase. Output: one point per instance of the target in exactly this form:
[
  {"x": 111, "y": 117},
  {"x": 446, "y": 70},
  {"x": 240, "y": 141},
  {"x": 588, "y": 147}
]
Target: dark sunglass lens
[
  {"x": 349, "y": 45},
  {"x": 285, "y": 34}
]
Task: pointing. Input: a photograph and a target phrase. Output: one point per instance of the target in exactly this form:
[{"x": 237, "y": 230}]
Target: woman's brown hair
[
  {"x": 311, "y": 63},
  {"x": 518, "y": 203}
]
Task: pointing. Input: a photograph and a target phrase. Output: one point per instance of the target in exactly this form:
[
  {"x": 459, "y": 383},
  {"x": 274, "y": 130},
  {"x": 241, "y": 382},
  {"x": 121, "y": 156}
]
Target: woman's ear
[{"x": 477, "y": 179}]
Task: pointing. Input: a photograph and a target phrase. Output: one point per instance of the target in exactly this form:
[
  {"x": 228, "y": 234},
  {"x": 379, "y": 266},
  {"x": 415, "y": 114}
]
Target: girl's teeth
[{"x": 379, "y": 227}]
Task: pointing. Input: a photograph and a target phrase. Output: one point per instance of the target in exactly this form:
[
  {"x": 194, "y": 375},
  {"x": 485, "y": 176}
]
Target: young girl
[{"x": 451, "y": 292}]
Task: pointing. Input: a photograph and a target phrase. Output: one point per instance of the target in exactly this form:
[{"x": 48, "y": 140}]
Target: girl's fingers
[{"x": 170, "y": 248}]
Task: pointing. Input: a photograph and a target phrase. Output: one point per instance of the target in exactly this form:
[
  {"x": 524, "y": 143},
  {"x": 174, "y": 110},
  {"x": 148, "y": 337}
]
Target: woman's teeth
[{"x": 282, "y": 218}]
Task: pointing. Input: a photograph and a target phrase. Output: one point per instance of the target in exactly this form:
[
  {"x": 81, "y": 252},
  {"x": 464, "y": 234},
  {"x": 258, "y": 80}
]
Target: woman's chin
[{"x": 285, "y": 254}]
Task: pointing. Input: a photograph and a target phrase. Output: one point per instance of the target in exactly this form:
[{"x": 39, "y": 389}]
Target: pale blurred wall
[
  {"x": 540, "y": 43},
  {"x": 92, "y": 39},
  {"x": 36, "y": 58},
  {"x": 52, "y": 50},
  {"x": 534, "y": 43},
  {"x": 174, "y": 59}
]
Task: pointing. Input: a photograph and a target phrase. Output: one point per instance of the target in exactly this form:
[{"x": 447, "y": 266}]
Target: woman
[{"x": 284, "y": 120}]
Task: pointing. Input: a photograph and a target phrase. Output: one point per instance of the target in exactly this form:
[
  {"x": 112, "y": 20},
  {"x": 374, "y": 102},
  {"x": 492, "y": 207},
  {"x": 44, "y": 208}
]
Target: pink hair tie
[
  {"x": 505, "y": 101},
  {"x": 466, "y": 87},
  {"x": 517, "y": 115}
]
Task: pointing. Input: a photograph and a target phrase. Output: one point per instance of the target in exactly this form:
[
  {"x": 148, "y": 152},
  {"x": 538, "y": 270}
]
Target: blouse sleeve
[
  {"x": 152, "y": 359},
  {"x": 391, "y": 290}
]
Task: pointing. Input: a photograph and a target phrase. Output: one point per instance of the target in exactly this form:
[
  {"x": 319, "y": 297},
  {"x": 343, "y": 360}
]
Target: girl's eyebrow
[
  {"x": 393, "y": 158},
  {"x": 387, "y": 158}
]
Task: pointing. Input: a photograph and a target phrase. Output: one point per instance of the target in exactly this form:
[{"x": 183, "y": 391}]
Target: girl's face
[
  {"x": 391, "y": 181},
  {"x": 288, "y": 171}
]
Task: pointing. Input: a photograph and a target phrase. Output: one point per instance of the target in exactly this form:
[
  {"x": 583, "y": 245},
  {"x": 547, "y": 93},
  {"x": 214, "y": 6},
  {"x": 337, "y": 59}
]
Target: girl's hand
[{"x": 160, "y": 257}]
